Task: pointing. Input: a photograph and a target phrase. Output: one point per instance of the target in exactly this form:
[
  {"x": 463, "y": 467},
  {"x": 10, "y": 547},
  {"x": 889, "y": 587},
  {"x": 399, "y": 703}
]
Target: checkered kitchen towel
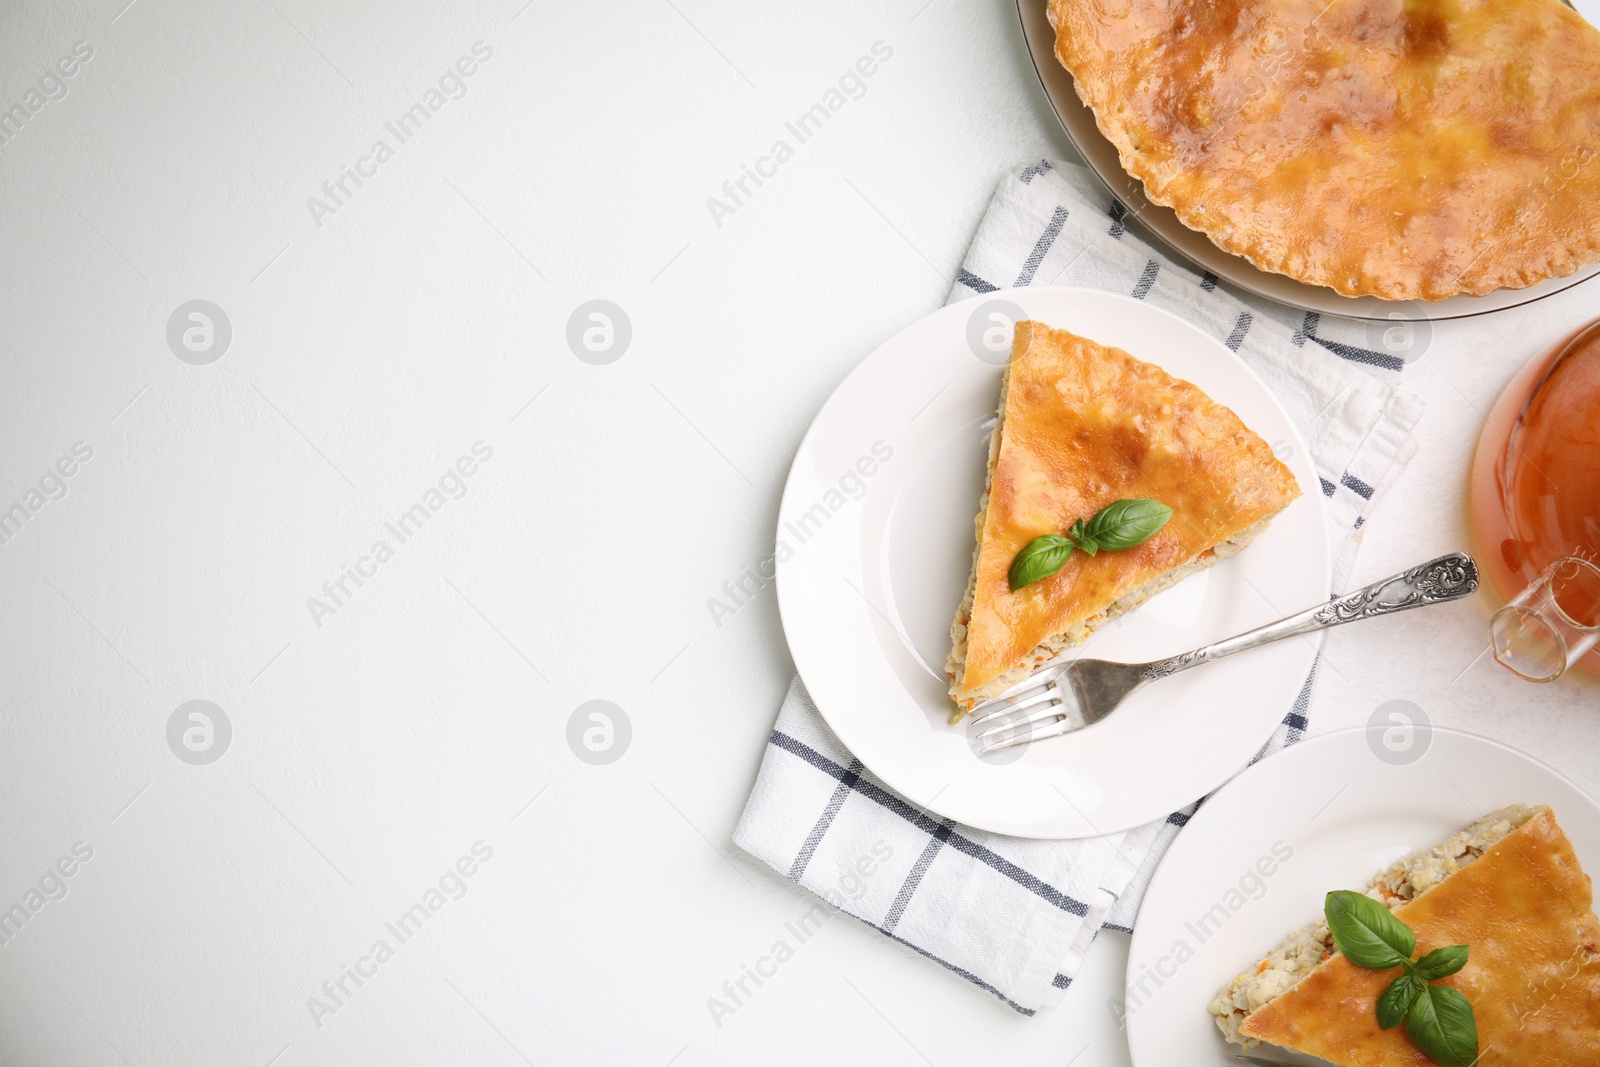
[{"x": 1016, "y": 916}]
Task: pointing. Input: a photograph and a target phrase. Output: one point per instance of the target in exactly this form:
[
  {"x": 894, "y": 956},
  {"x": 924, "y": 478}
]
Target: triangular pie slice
[
  {"x": 1081, "y": 426},
  {"x": 1511, "y": 889},
  {"x": 1399, "y": 148}
]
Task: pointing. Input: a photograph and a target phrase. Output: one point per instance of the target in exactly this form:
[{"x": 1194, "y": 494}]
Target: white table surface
[{"x": 428, "y": 312}]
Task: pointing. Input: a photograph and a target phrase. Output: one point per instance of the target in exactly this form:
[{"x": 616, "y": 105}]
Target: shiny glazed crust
[
  {"x": 1304, "y": 950},
  {"x": 1083, "y": 425},
  {"x": 1526, "y": 910},
  {"x": 1396, "y": 148}
]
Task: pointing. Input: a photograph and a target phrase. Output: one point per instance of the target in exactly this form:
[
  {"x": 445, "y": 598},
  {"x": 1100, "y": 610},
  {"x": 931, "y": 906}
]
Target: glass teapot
[{"x": 1536, "y": 512}]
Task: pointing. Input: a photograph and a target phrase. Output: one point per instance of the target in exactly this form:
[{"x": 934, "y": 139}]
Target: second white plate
[
  {"x": 875, "y": 543},
  {"x": 1257, "y": 859}
]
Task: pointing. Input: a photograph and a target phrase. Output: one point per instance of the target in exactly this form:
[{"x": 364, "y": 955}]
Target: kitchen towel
[{"x": 1011, "y": 915}]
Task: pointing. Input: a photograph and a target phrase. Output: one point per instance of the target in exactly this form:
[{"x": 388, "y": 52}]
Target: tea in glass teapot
[{"x": 1536, "y": 512}]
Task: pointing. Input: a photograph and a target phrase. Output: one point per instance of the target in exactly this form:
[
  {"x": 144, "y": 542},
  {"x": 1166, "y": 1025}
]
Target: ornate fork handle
[
  {"x": 1446, "y": 578},
  {"x": 1449, "y": 577}
]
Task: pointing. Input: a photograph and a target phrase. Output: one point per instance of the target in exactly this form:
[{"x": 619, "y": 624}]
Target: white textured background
[{"x": 428, "y": 313}]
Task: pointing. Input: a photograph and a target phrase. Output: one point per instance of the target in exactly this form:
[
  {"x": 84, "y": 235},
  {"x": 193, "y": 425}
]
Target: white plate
[
  {"x": 1343, "y": 814},
  {"x": 1101, "y": 155},
  {"x": 873, "y": 556}
]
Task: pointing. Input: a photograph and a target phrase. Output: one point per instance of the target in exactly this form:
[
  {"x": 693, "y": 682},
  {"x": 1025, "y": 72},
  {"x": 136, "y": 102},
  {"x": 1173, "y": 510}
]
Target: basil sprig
[
  {"x": 1114, "y": 527},
  {"x": 1438, "y": 1018}
]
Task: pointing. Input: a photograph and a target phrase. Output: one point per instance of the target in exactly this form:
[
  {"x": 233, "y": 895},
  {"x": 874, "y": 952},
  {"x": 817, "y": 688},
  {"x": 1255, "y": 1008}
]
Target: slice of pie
[
  {"x": 1395, "y": 148},
  {"x": 1081, "y": 426},
  {"x": 1510, "y": 888}
]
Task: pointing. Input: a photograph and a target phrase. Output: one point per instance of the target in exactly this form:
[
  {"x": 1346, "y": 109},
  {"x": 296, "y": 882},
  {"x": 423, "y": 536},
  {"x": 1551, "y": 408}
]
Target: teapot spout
[{"x": 1551, "y": 624}]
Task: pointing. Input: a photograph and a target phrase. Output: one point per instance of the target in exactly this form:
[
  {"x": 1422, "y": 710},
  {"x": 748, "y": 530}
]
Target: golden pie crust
[
  {"x": 1082, "y": 426},
  {"x": 1525, "y": 909},
  {"x": 1396, "y": 148}
]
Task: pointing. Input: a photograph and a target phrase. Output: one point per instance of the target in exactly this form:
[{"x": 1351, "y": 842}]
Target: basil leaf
[
  {"x": 1396, "y": 1001},
  {"x": 1442, "y": 962},
  {"x": 1366, "y": 932},
  {"x": 1039, "y": 559},
  {"x": 1082, "y": 538},
  {"x": 1442, "y": 1025},
  {"x": 1127, "y": 523}
]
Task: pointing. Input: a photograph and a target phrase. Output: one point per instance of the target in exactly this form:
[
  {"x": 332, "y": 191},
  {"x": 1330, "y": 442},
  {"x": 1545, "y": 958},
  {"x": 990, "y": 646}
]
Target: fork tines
[
  {"x": 1031, "y": 691},
  {"x": 1017, "y": 715}
]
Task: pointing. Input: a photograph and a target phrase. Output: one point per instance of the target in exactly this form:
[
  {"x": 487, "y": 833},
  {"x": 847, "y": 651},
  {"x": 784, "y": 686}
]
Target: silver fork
[{"x": 1059, "y": 698}]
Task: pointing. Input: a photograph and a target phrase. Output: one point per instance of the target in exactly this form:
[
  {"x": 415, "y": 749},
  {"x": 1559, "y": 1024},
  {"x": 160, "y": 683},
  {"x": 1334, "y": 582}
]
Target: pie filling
[{"x": 1304, "y": 950}]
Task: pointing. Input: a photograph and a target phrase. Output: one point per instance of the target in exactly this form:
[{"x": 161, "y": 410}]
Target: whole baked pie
[{"x": 1395, "y": 148}]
